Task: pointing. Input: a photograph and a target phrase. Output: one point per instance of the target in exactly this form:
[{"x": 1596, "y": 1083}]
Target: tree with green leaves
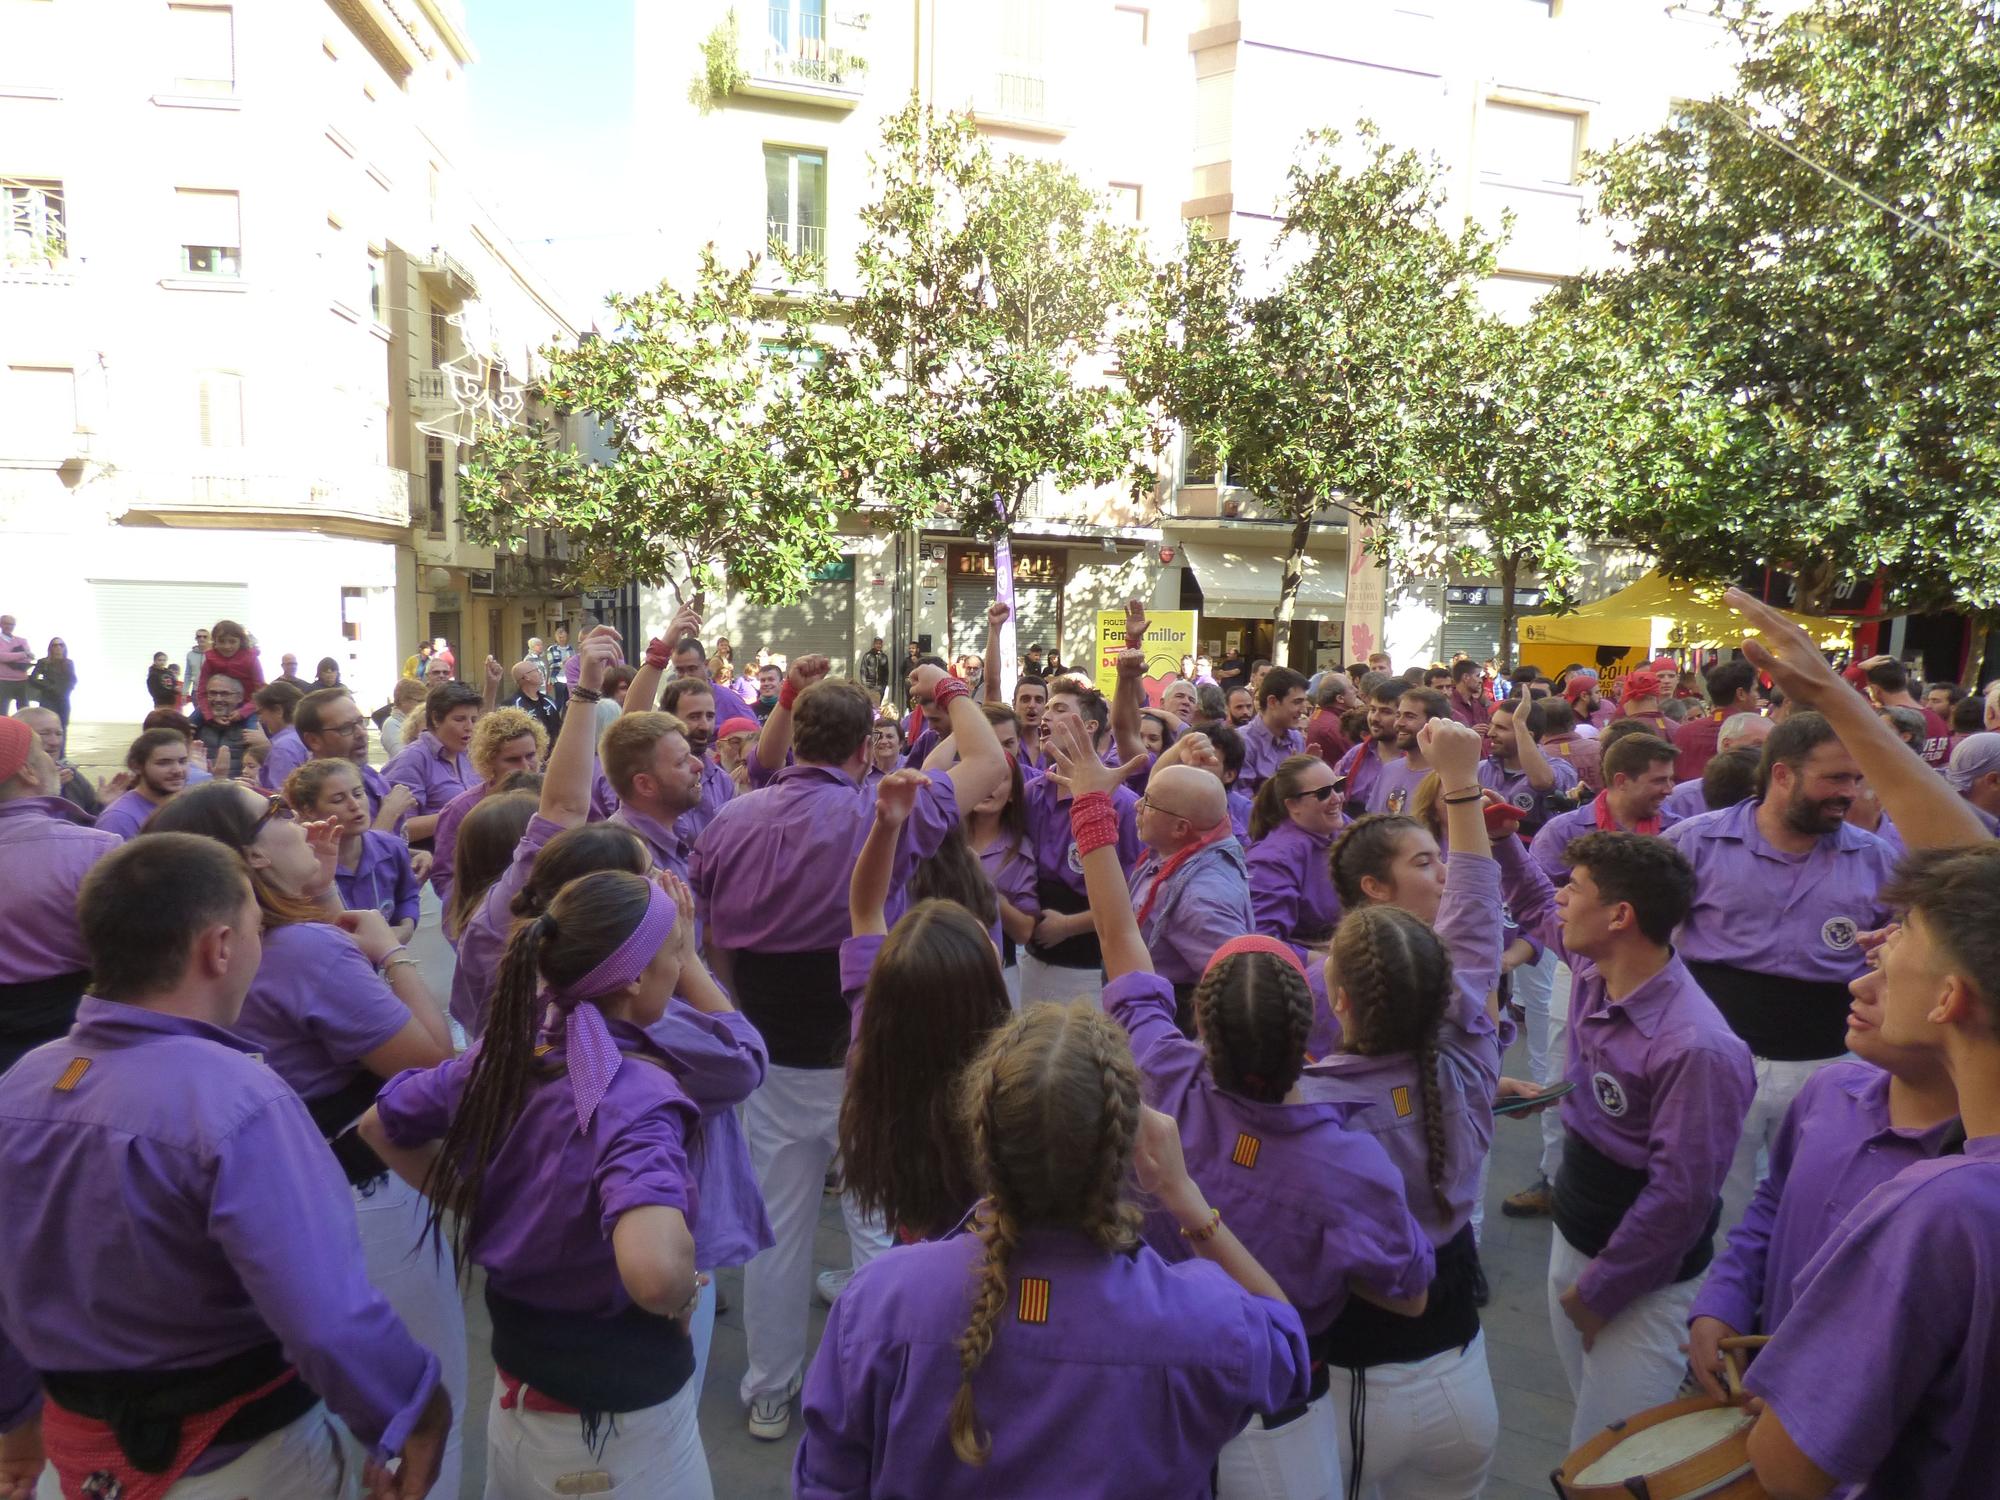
[
  {"x": 1326, "y": 388},
  {"x": 979, "y": 336},
  {"x": 1801, "y": 335},
  {"x": 726, "y": 468}
]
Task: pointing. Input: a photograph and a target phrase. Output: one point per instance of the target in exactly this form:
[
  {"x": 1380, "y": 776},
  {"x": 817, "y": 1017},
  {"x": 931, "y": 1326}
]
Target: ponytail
[{"x": 1267, "y": 811}]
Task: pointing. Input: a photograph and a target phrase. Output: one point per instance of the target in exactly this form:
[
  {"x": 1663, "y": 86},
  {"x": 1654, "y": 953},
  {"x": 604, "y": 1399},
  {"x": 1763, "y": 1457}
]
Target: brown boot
[{"x": 1537, "y": 1202}]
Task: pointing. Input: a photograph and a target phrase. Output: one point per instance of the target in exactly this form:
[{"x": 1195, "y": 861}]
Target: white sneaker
[
  {"x": 830, "y": 1284},
  {"x": 771, "y": 1414}
]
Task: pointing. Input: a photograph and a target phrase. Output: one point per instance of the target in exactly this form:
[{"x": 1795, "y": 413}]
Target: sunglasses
[
  {"x": 276, "y": 808},
  {"x": 1318, "y": 794}
]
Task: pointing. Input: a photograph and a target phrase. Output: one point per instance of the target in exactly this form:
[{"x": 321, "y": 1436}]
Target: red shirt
[
  {"x": 1324, "y": 739},
  {"x": 1694, "y": 738}
]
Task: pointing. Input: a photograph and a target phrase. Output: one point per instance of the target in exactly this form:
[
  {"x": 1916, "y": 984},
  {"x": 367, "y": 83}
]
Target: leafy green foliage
[
  {"x": 722, "y": 71},
  {"x": 1806, "y": 376},
  {"x": 726, "y": 467},
  {"x": 974, "y": 351}
]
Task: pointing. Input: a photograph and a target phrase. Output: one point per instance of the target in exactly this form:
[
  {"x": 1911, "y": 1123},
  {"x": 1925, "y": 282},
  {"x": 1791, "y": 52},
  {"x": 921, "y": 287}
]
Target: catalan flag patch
[
  {"x": 72, "y": 1075},
  {"x": 1400, "y": 1097},
  {"x": 544, "y": 1049},
  {"x": 1034, "y": 1302},
  {"x": 1247, "y": 1147}
]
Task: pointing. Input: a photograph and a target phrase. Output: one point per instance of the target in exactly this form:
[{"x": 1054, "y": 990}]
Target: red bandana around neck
[{"x": 1606, "y": 823}]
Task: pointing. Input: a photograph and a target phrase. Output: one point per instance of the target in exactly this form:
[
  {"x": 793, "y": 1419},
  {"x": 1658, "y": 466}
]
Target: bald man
[
  {"x": 48, "y": 729},
  {"x": 1192, "y": 889},
  {"x": 1740, "y": 731}
]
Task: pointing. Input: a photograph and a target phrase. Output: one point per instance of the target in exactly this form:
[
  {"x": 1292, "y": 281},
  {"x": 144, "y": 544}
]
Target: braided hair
[
  {"x": 1397, "y": 978},
  {"x": 1367, "y": 849},
  {"x": 1254, "y": 1012},
  {"x": 1051, "y": 1112},
  {"x": 583, "y": 925}
]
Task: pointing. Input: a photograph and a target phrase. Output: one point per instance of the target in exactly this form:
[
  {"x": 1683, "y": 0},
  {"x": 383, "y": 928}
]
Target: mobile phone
[{"x": 1522, "y": 1106}]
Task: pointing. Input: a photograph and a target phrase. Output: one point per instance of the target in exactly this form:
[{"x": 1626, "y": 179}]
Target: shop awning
[
  {"x": 1664, "y": 614},
  {"x": 1242, "y": 581}
]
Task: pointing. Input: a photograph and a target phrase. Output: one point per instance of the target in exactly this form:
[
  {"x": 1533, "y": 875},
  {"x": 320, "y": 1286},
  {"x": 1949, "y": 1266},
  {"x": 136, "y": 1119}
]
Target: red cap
[
  {"x": 737, "y": 725},
  {"x": 1639, "y": 685},
  {"x": 1664, "y": 664},
  {"x": 17, "y": 743}
]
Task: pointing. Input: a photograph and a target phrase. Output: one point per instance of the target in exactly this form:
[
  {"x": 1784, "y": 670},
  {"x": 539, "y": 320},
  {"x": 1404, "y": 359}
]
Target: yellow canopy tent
[{"x": 1625, "y": 630}]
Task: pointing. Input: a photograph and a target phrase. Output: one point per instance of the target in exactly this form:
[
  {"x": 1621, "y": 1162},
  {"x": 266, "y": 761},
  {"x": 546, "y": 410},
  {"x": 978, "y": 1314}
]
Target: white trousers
[
  {"x": 310, "y": 1458},
  {"x": 421, "y": 1286},
  {"x": 655, "y": 1454},
  {"x": 701, "y": 1333},
  {"x": 1429, "y": 1429},
  {"x": 792, "y": 1126},
  {"x": 1545, "y": 1031},
  {"x": 1052, "y": 982},
  {"x": 1299, "y": 1461},
  {"x": 1634, "y": 1363},
  {"x": 1778, "y": 1084}
]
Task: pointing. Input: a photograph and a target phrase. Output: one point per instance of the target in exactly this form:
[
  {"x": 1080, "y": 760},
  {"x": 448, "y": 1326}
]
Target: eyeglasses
[
  {"x": 277, "y": 808},
  {"x": 1318, "y": 794},
  {"x": 352, "y": 726},
  {"x": 1165, "y": 812}
]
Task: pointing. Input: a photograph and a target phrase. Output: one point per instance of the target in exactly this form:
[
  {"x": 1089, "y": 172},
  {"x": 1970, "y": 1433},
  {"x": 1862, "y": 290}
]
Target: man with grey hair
[
  {"x": 76, "y": 786},
  {"x": 530, "y": 682},
  {"x": 1332, "y": 696},
  {"x": 1740, "y": 731},
  {"x": 1974, "y": 773}
]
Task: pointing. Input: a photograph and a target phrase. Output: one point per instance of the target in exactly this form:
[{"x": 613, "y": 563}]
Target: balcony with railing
[
  {"x": 371, "y": 501},
  {"x": 806, "y": 241},
  {"x": 802, "y": 53}
]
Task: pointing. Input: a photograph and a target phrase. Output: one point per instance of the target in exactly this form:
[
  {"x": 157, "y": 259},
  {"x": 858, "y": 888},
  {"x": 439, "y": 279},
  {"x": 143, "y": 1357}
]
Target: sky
[{"x": 551, "y": 113}]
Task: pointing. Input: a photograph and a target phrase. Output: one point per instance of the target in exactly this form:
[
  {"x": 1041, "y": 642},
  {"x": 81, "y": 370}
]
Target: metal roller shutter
[
  {"x": 1476, "y": 632},
  {"x": 135, "y": 619},
  {"x": 821, "y": 622}
]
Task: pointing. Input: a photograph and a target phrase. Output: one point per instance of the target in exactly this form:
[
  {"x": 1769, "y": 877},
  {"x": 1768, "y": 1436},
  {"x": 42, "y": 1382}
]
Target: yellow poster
[{"x": 1170, "y": 635}]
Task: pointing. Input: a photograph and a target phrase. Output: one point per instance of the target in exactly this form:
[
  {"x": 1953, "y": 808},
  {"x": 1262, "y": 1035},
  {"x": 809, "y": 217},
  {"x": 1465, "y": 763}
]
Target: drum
[{"x": 1697, "y": 1448}]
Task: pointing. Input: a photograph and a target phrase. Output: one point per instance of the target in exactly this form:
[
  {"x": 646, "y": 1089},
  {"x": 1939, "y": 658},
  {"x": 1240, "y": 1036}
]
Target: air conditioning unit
[{"x": 479, "y": 580}]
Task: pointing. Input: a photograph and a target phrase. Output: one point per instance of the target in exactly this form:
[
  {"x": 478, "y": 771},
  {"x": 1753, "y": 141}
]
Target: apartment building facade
[
  {"x": 245, "y": 304},
  {"x": 1177, "y": 110}
]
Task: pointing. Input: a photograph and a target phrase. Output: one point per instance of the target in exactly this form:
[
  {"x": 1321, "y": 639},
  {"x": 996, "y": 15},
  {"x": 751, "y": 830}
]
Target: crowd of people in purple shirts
[{"x": 1153, "y": 1044}]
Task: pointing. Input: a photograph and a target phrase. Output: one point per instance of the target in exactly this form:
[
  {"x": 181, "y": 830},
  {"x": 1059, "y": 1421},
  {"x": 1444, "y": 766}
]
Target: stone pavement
[{"x": 1534, "y": 1401}]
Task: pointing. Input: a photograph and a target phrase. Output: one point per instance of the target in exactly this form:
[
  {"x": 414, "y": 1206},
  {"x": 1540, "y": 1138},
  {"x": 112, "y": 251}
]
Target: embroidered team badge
[
  {"x": 72, "y": 1075},
  {"x": 1610, "y": 1094},
  {"x": 1400, "y": 1097},
  {"x": 102, "y": 1485},
  {"x": 1075, "y": 860},
  {"x": 1396, "y": 800},
  {"x": 1839, "y": 933},
  {"x": 1247, "y": 1147},
  {"x": 1524, "y": 800},
  {"x": 1033, "y": 1306}
]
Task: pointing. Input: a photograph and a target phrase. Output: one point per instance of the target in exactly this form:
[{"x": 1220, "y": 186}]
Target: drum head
[{"x": 1669, "y": 1443}]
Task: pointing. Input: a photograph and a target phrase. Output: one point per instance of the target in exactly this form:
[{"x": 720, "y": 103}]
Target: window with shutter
[
  {"x": 211, "y": 234},
  {"x": 201, "y": 41},
  {"x": 221, "y": 398}
]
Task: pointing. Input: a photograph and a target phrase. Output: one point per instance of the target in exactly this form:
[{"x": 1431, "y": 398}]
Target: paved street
[{"x": 1534, "y": 1402}]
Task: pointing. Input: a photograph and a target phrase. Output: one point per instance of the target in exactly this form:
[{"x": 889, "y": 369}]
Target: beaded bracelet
[
  {"x": 1207, "y": 1231},
  {"x": 1093, "y": 822}
]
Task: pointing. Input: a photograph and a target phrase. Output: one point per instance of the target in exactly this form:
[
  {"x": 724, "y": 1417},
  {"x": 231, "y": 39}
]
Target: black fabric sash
[
  {"x": 794, "y": 1001},
  {"x": 1079, "y": 952},
  {"x": 1593, "y": 1194},
  {"x": 335, "y": 1115},
  {"x": 597, "y": 1365},
  {"x": 1784, "y": 1019},
  {"x": 145, "y": 1408},
  {"x": 1364, "y": 1335},
  {"x": 35, "y": 1011}
]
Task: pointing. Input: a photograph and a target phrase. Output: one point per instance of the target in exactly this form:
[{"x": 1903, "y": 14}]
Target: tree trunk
[
  {"x": 1510, "y": 574},
  {"x": 1815, "y": 586},
  {"x": 1282, "y": 636}
]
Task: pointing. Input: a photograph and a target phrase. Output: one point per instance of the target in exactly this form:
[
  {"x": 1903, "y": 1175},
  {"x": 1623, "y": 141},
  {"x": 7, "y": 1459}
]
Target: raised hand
[
  {"x": 806, "y": 670},
  {"x": 1131, "y": 664},
  {"x": 1135, "y": 623},
  {"x": 1784, "y": 652},
  {"x": 925, "y": 678},
  {"x": 371, "y": 933},
  {"x": 1198, "y": 750},
  {"x": 686, "y": 622},
  {"x": 597, "y": 655},
  {"x": 1077, "y": 765},
  {"x": 1452, "y": 750},
  {"x": 684, "y": 913},
  {"x": 118, "y": 785},
  {"x": 494, "y": 672},
  {"x": 896, "y": 796},
  {"x": 998, "y": 613}
]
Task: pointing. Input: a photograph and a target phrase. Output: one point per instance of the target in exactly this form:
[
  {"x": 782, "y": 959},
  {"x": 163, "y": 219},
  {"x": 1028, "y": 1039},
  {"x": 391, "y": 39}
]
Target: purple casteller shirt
[
  {"x": 1173, "y": 1359},
  {"x": 444, "y": 841},
  {"x": 1511, "y": 782},
  {"x": 773, "y": 865},
  {"x": 1318, "y": 1204},
  {"x": 317, "y": 1007},
  {"x": 47, "y": 846},
  {"x": 1556, "y": 834},
  {"x": 1685, "y": 801},
  {"x": 1264, "y": 752},
  {"x": 1239, "y": 813},
  {"x": 433, "y": 776},
  {"x": 1887, "y": 1372},
  {"x": 542, "y": 1230},
  {"x": 124, "y": 818},
  {"x": 717, "y": 787},
  {"x": 1758, "y": 908},
  {"x": 482, "y": 942},
  {"x": 1200, "y": 906},
  {"x": 1384, "y": 1093},
  {"x": 1662, "y": 1085},
  {"x": 668, "y": 846},
  {"x": 1834, "y": 1147},
  {"x": 287, "y": 753},
  {"x": 176, "y": 1206},
  {"x": 381, "y": 880},
  {"x": 1291, "y": 887},
  {"x": 1047, "y": 809},
  {"x": 1394, "y": 787},
  {"x": 718, "y": 1060},
  {"x": 1011, "y": 868}
]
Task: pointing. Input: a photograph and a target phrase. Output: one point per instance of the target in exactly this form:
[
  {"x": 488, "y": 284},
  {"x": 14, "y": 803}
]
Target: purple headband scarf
[{"x": 588, "y": 1045}]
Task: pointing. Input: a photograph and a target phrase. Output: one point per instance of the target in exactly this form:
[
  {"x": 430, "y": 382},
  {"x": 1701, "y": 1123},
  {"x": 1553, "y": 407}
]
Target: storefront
[
  {"x": 1233, "y": 579},
  {"x": 1038, "y": 597}
]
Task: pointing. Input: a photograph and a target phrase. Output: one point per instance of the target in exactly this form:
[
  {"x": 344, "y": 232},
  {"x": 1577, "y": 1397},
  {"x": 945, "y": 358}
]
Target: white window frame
[
  {"x": 794, "y": 234},
  {"x": 37, "y": 225}
]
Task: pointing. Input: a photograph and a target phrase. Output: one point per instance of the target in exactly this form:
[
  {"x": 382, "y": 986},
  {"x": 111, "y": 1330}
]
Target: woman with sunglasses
[
  {"x": 1292, "y": 823},
  {"x": 338, "y": 1007}
]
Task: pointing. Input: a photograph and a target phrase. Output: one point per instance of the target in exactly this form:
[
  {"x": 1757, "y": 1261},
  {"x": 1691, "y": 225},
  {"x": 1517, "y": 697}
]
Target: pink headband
[
  {"x": 588, "y": 1045},
  {"x": 1255, "y": 942}
]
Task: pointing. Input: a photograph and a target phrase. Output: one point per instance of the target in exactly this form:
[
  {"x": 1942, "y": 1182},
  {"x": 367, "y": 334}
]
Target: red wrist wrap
[
  {"x": 657, "y": 655},
  {"x": 1093, "y": 822},
  {"x": 948, "y": 692},
  {"x": 787, "y": 696}
]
